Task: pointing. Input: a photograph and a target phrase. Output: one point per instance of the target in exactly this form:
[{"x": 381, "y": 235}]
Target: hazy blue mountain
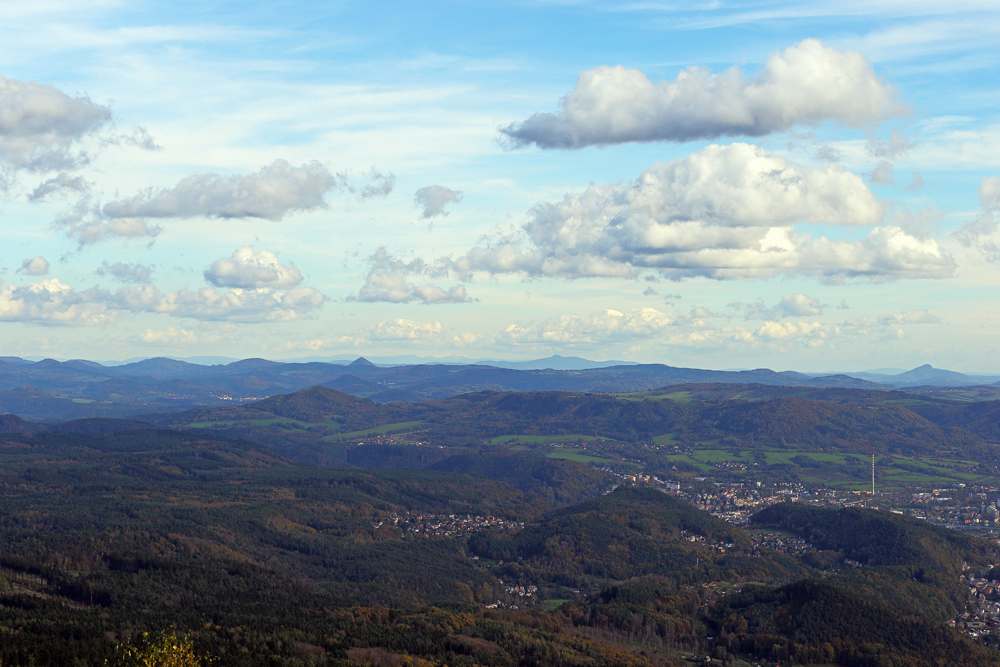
[{"x": 927, "y": 375}]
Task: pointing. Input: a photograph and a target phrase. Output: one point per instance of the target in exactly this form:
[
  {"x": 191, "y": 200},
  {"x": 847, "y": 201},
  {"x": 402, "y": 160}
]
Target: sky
[{"x": 798, "y": 186}]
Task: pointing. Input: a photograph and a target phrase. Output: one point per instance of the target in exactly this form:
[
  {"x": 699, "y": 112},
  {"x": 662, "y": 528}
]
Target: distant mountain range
[
  {"x": 555, "y": 361},
  {"x": 926, "y": 375},
  {"x": 57, "y": 390}
]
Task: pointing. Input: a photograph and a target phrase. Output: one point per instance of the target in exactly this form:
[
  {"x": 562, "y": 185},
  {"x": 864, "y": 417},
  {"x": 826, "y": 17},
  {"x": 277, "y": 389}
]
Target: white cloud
[
  {"x": 806, "y": 84},
  {"x": 41, "y": 127},
  {"x": 700, "y": 328},
  {"x": 405, "y": 330},
  {"x": 609, "y": 326},
  {"x": 388, "y": 280},
  {"x": 724, "y": 212},
  {"x": 312, "y": 345},
  {"x": 36, "y": 266},
  {"x": 247, "y": 269},
  {"x": 790, "y": 305},
  {"x": 235, "y": 305},
  {"x": 921, "y": 316},
  {"x": 49, "y": 302},
  {"x": 272, "y": 193},
  {"x": 125, "y": 272},
  {"x": 170, "y": 337},
  {"x": 84, "y": 224},
  {"x": 434, "y": 198}
]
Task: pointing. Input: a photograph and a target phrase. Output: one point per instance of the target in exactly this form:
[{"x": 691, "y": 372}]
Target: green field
[
  {"x": 251, "y": 422},
  {"x": 544, "y": 439},
  {"x": 378, "y": 430},
  {"x": 575, "y": 455},
  {"x": 549, "y": 605},
  {"x": 893, "y": 471}
]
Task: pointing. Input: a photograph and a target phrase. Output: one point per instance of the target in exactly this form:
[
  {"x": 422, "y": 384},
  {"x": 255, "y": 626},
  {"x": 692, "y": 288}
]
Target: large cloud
[
  {"x": 41, "y": 127},
  {"x": 237, "y": 305},
  {"x": 388, "y": 280},
  {"x": 723, "y": 212},
  {"x": 247, "y": 269},
  {"x": 49, "y": 302},
  {"x": 53, "y": 303},
  {"x": 806, "y": 84},
  {"x": 274, "y": 192}
]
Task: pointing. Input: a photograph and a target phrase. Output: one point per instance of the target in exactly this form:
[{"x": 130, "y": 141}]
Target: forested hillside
[{"x": 486, "y": 529}]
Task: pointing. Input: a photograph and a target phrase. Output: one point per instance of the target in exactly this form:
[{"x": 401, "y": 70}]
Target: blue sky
[{"x": 505, "y": 180}]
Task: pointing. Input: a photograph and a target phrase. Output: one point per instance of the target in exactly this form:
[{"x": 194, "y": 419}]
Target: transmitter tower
[{"x": 873, "y": 475}]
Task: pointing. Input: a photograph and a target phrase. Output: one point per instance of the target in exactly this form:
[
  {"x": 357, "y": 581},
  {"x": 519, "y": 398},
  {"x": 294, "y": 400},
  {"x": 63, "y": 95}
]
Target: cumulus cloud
[
  {"x": 808, "y": 83},
  {"x": 248, "y": 269},
  {"x": 790, "y": 305},
  {"x": 723, "y": 212},
  {"x": 36, "y": 266},
  {"x": 125, "y": 272},
  {"x": 434, "y": 198},
  {"x": 49, "y": 302},
  {"x": 389, "y": 280},
  {"x": 235, "y": 305},
  {"x": 41, "y": 127},
  {"x": 272, "y": 193},
  {"x": 920, "y": 222}
]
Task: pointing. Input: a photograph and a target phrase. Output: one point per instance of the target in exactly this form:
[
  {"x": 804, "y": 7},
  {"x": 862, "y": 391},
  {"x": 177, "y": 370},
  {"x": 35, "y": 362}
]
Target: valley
[{"x": 730, "y": 524}]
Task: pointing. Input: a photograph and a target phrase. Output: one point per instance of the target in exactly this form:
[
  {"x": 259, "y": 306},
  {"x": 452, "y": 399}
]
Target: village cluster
[{"x": 445, "y": 525}]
